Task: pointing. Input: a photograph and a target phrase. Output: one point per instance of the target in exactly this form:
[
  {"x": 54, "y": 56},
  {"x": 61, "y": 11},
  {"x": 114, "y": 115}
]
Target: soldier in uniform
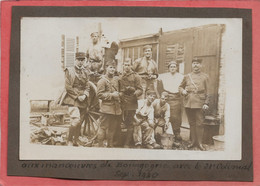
[
  {"x": 131, "y": 89},
  {"x": 146, "y": 67},
  {"x": 108, "y": 93},
  {"x": 162, "y": 117},
  {"x": 195, "y": 89},
  {"x": 171, "y": 82},
  {"x": 144, "y": 123},
  {"x": 95, "y": 56},
  {"x": 76, "y": 96}
]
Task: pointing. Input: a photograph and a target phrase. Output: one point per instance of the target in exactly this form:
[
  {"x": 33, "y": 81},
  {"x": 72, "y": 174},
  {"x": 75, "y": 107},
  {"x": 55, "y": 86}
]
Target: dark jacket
[
  {"x": 105, "y": 88},
  {"x": 75, "y": 86},
  {"x": 197, "y": 86},
  {"x": 130, "y": 88}
]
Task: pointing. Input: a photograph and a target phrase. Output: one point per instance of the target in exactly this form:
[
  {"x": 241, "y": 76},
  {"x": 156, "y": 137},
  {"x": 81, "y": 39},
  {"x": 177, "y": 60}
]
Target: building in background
[{"x": 182, "y": 45}]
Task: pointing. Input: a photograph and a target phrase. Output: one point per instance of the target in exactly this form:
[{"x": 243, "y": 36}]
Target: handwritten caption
[{"x": 124, "y": 170}]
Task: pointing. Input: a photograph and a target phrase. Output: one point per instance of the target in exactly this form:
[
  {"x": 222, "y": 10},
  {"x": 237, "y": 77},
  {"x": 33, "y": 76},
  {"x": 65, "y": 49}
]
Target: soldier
[
  {"x": 76, "y": 96},
  {"x": 144, "y": 123},
  {"x": 95, "y": 56},
  {"x": 195, "y": 89},
  {"x": 146, "y": 67},
  {"x": 162, "y": 118},
  {"x": 171, "y": 82},
  {"x": 131, "y": 89},
  {"x": 108, "y": 93}
]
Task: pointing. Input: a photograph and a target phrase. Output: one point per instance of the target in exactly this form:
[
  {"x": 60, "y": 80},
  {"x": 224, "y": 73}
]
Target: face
[
  {"x": 151, "y": 98},
  {"x": 127, "y": 66},
  {"x": 173, "y": 68},
  {"x": 196, "y": 66},
  {"x": 94, "y": 37},
  {"x": 80, "y": 62},
  {"x": 164, "y": 99},
  {"x": 111, "y": 70},
  {"x": 148, "y": 53}
]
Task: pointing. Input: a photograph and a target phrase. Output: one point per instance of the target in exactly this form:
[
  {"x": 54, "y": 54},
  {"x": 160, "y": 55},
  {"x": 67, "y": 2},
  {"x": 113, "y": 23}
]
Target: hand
[
  {"x": 115, "y": 95},
  {"x": 153, "y": 76},
  {"x": 205, "y": 107},
  {"x": 152, "y": 125},
  {"x": 87, "y": 94},
  {"x": 82, "y": 98},
  {"x": 184, "y": 92},
  {"x": 166, "y": 126}
]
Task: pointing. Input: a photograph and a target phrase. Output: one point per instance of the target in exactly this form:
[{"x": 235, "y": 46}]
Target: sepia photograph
[{"x": 98, "y": 88}]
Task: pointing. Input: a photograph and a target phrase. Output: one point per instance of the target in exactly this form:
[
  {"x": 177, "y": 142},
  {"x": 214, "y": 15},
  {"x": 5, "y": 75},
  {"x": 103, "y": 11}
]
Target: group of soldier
[{"x": 133, "y": 98}]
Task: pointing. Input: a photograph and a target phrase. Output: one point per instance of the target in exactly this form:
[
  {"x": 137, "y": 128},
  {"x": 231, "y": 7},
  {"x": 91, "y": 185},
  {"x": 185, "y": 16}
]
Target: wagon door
[{"x": 183, "y": 45}]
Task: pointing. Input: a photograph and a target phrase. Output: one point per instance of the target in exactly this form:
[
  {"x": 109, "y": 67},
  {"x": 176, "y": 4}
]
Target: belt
[
  {"x": 197, "y": 92},
  {"x": 94, "y": 61}
]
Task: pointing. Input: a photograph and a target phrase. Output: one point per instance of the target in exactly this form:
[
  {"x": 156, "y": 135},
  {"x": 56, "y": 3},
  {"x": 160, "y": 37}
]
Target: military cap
[
  {"x": 196, "y": 59},
  {"x": 171, "y": 63},
  {"x": 150, "y": 92},
  {"x": 111, "y": 63},
  {"x": 147, "y": 47},
  {"x": 165, "y": 94},
  {"x": 129, "y": 60},
  {"x": 80, "y": 55}
]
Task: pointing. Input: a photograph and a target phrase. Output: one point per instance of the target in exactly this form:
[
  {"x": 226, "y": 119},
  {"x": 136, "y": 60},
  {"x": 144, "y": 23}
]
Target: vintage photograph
[{"x": 130, "y": 88}]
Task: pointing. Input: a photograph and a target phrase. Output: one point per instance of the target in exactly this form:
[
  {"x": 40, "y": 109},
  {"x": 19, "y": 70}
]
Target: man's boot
[
  {"x": 200, "y": 131},
  {"x": 193, "y": 136},
  {"x": 177, "y": 134},
  {"x": 129, "y": 137}
]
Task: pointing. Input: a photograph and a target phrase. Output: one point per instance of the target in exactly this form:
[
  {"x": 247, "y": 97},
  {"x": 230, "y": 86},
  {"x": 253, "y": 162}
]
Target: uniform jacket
[
  {"x": 198, "y": 91},
  {"x": 161, "y": 112},
  {"x": 105, "y": 88},
  {"x": 75, "y": 86},
  {"x": 133, "y": 80},
  {"x": 143, "y": 66}
]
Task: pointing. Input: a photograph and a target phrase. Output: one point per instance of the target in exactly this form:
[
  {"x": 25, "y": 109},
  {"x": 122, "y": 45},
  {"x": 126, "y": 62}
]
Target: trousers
[
  {"x": 143, "y": 134},
  {"x": 77, "y": 116},
  {"x": 110, "y": 129},
  {"x": 128, "y": 120},
  {"x": 196, "y": 119},
  {"x": 175, "y": 103}
]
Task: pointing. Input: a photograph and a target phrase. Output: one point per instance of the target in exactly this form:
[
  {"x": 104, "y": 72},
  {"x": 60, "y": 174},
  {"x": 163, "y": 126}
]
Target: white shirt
[{"x": 171, "y": 82}]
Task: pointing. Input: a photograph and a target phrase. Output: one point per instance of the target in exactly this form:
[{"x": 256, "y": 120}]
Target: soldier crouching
[
  {"x": 162, "y": 117},
  {"x": 144, "y": 123}
]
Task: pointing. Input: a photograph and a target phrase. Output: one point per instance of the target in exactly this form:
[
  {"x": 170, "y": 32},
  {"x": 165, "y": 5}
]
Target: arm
[
  {"x": 139, "y": 90},
  {"x": 72, "y": 92},
  {"x": 136, "y": 65},
  {"x": 167, "y": 114},
  {"x": 206, "y": 84},
  {"x": 102, "y": 93},
  {"x": 151, "y": 117},
  {"x": 182, "y": 87}
]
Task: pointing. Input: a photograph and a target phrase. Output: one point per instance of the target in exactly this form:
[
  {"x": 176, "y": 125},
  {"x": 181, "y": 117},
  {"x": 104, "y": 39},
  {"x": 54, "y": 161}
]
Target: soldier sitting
[
  {"x": 162, "y": 117},
  {"x": 144, "y": 123}
]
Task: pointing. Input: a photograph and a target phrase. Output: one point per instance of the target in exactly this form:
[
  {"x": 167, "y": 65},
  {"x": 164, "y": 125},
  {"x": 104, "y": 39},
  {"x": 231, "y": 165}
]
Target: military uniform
[
  {"x": 111, "y": 111},
  {"x": 130, "y": 88},
  {"x": 171, "y": 85},
  {"x": 76, "y": 84},
  {"x": 161, "y": 117},
  {"x": 145, "y": 68},
  {"x": 197, "y": 87}
]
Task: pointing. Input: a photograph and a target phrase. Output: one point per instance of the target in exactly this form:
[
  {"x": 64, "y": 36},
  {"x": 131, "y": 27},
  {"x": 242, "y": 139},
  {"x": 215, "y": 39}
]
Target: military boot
[
  {"x": 193, "y": 136},
  {"x": 200, "y": 131}
]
